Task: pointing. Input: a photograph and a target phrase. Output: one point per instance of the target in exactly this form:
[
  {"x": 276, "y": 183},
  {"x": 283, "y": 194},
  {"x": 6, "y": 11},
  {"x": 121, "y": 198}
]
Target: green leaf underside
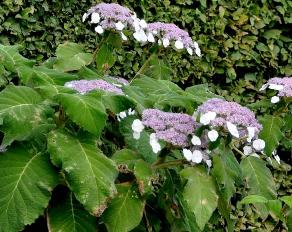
[
  {"x": 70, "y": 216},
  {"x": 271, "y": 132},
  {"x": 259, "y": 181},
  {"x": 22, "y": 113},
  {"x": 26, "y": 183},
  {"x": 125, "y": 211},
  {"x": 89, "y": 173},
  {"x": 199, "y": 194},
  {"x": 86, "y": 111}
]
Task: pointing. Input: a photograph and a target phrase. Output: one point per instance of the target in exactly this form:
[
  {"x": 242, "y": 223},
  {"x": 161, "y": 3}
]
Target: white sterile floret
[
  {"x": 213, "y": 135},
  {"x": 275, "y": 99},
  {"x": 99, "y": 29},
  {"x": 196, "y": 141},
  {"x": 154, "y": 143},
  {"x": 140, "y": 36},
  {"x": 69, "y": 85},
  {"x": 209, "y": 163},
  {"x": 197, "y": 156},
  {"x": 276, "y": 87},
  {"x": 95, "y": 18},
  {"x": 277, "y": 158},
  {"x": 122, "y": 114},
  {"x": 136, "y": 135},
  {"x": 206, "y": 118},
  {"x": 178, "y": 44},
  {"x": 264, "y": 87},
  {"x": 165, "y": 42},
  {"x": 143, "y": 23},
  {"x": 131, "y": 112},
  {"x": 84, "y": 17},
  {"x": 190, "y": 51},
  {"x": 137, "y": 126},
  {"x": 123, "y": 36},
  {"x": 258, "y": 144},
  {"x": 247, "y": 150},
  {"x": 197, "y": 49},
  {"x": 251, "y": 133},
  {"x": 187, "y": 154},
  {"x": 119, "y": 25},
  {"x": 232, "y": 129},
  {"x": 150, "y": 38}
]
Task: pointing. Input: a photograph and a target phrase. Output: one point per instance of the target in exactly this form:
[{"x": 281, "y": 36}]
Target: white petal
[
  {"x": 150, "y": 38},
  {"x": 95, "y": 18},
  {"x": 190, "y": 51},
  {"x": 213, "y": 135},
  {"x": 196, "y": 141},
  {"x": 197, "y": 156},
  {"x": 159, "y": 42},
  {"x": 251, "y": 133},
  {"x": 264, "y": 87},
  {"x": 277, "y": 158},
  {"x": 275, "y": 99},
  {"x": 137, "y": 36},
  {"x": 136, "y": 135},
  {"x": 247, "y": 150},
  {"x": 154, "y": 32},
  {"x": 120, "y": 26},
  {"x": 232, "y": 129},
  {"x": 197, "y": 49},
  {"x": 99, "y": 29},
  {"x": 258, "y": 144},
  {"x": 187, "y": 154},
  {"x": 276, "y": 87},
  {"x": 131, "y": 112},
  {"x": 153, "y": 137},
  {"x": 143, "y": 36},
  {"x": 206, "y": 118},
  {"x": 122, "y": 114},
  {"x": 84, "y": 17},
  {"x": 143, "y": 23},
  {"x": 123, "y": 36},
  {"x": 178, "y": 44},
  {"x": 209, "y": 163},
  {"x": 137, "y": 126},
  {"x": 165, "y": 42}
]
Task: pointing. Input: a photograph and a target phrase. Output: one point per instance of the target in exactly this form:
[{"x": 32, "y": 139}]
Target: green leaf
[
  {"x": 68, "y": 215},
  {"x": 259, "y": 180},
  {"x": 200, "y": 93},
  {"x": 117, "y": 103},
  {"x": 200, "y": 194},
  {"x": 126, "y": 159},
  {"x": 105, "y": 57},
  {"x": 271, "y": 132},
  {"x": 70, "y": 57},
  {"x": 251, "y": 199},
  {"x": 11, "y": 58},
  {"x": 272, "y": 34},
  {"x": 287, "y": 200},
  {"x": 144, "y": 175},
  {"x": 89, "y": 173},
  {"x": 23, "y": 114},
  {"x": 275, "y": 207},
  {"x": 86, "y": 111},
  {"x": 158, "y": 70},
  {"x": 125, "y": 211},
  {"x": 27, "y": 180}
]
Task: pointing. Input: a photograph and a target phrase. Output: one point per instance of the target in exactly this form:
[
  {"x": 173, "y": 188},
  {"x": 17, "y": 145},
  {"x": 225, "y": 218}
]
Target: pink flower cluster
[
  {"x": 173, "y": 128},
  {"x": 84, "y": 86}
]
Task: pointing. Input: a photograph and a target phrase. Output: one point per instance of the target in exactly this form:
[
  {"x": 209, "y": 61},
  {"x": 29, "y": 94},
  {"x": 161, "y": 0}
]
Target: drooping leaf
[
  {"x": 105, "y": 57},
  {"x": 70, "y": 57},
  {"x": 125, "y": 211},
  {"x": 89, "y": 173},
  {"x": 287, "y": 200},
  {"x": 27, "y": 180},
  {"x": 200, "y": 194},
  {"x": 144, "y": 175},
  {"x": 126, "y": 159},
  {"x": 86, "y": 111},
  {"x": 68, "y": 215},
  {"x": 251, "y": 199},
  {"x": 271, "y": 132},
  {"x": 117, "y": 103},
  {"x": 22, "y": 114},
  {"x": 200, "y": 93},
  {"x": 259, "y": 180}
]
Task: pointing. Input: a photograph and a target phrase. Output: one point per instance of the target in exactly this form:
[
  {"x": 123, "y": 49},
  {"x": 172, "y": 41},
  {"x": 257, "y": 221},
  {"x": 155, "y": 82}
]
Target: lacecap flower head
[
  {"x": 238, "y": 120},
  {"x": 283, "y": 85},
  {"x": 85, "y": 86},
  {"x": 112, "y": 16},
  {"x": 169, "y": 33}
]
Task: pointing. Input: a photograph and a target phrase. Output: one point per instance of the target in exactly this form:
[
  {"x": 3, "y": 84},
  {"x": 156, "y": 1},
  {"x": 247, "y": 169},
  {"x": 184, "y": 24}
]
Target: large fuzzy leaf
[
  {"x": 70, "y": 57},
  {"x": 69, "y": 215},
  {"x": 105, "y": 57},
  {"x": 200, "y": 93},
  {"x": 259, "y": 180},
  {"x": 27, "y": 180},
  {"x": 89, "y": 173},
  {"x": 125, "y": 211},
  {"x": 86, "y": 111},
  {"x": 22, "y": 114},
  {"x": 199, "y": 194},
  {"x": 271, "y": 132}
]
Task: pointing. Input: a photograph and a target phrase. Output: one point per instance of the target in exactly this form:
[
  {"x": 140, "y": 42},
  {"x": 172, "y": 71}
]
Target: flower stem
[{"x": 237, "y": 150}]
